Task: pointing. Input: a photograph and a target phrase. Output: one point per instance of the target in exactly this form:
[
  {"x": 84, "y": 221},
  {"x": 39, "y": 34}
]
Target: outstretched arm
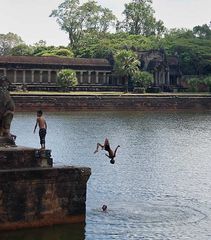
[
  {"x": 116, "y": 150},
  {"x": 98, "y": 145}
]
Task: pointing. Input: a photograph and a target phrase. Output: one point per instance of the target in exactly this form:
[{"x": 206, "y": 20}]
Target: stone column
[
  {"x": 107, "y": 78},
  {"x": 40, "y": 76},
  {"x": 159, "y": 73},
  {"x": 32, "y": 73},
  {"x": 24, "y": 76},
  {"x": 104, "y": 78},
  {"x": 97, "y": 77},
  {"x": 81, "y": 77},
  {"x": 49, "y": 76},
  {"x": 156, "y": 78},
  {"x": 15, "y": 76},
  {"x": 89, "y": 76},
  {"x": 168, "y": 78},
  {"x": 163, "y": 77}
]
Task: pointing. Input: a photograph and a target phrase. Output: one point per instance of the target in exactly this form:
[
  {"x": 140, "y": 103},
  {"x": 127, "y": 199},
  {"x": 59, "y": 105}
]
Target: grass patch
[{"x": 78, "y": 93}]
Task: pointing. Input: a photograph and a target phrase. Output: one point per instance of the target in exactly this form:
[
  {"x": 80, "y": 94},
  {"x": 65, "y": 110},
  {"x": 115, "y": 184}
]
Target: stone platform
[
  {"x": 33, "y": 193},
  {"x": 39, "y": 197},
  {"x": 24, "y": 157},
  {"x": 5, "y": 142}
]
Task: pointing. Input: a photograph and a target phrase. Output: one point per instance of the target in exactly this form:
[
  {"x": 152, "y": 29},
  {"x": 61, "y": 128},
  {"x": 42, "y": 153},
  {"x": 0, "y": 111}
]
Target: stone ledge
[
  {"x": 113, "y": 103},
  {"x": 12, "y": 157},
  {"x": 37, "y": 197}
]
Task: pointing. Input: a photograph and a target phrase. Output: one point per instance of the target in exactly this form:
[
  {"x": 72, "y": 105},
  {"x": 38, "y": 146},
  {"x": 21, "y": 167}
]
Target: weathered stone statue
[{"x": 7, "y": 108}]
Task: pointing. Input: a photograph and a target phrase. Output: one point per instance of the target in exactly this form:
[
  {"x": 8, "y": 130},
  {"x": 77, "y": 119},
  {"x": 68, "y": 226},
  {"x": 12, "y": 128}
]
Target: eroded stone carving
[{"x": 7, "y": 108}]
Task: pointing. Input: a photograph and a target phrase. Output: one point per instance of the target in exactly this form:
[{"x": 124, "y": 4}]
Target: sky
[{"x": 30, "y": 18}]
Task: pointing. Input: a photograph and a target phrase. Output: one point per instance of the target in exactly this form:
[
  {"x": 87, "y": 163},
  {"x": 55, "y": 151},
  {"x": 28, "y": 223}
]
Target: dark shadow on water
[{"x": 64, "y": 232}]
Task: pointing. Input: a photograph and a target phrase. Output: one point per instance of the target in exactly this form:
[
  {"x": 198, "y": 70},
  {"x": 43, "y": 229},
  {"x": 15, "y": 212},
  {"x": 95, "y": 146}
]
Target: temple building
[
  {"x": 41, "y": 72},
  {"x": 165, "y": 69}
]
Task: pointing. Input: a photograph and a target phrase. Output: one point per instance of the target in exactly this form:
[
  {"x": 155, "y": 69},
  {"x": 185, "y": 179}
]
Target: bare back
[{"x": 41, "y": 122}]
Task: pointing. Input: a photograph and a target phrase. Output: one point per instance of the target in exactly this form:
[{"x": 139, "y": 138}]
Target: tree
[
  {"x": 126, "y": 65},
  {"x": 76, "y": 19},
  {"x": 207, "y": 81},
  {"x": 96, "y": 18},
  {"x": 203, "y": 31},
  {"x": 9, "y": 41},
  {"x": 194, "y": 53},
  {"x": 143, "y": 79},
  {"x": 139, "y": 19},
  {"x": 67, "y": 78},
  {"x": 107, "y": 19},
  {"x": 61, "y": 52},
  {"x": 106, "y": 45},
  {"x": 21, "y": 50},
  {"x": 68, "y": 16}
]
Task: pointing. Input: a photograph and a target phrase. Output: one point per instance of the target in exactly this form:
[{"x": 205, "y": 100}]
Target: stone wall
[
  {"x": 116, "y": 103},
  {"x": 24, "y": 157},
  {"x": 42, "y": 196},
  {"x": 33, "y": 193}
]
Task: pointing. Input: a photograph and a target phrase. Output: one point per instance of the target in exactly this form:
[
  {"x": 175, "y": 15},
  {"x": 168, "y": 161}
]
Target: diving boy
[{"x": 111, "y": 154}]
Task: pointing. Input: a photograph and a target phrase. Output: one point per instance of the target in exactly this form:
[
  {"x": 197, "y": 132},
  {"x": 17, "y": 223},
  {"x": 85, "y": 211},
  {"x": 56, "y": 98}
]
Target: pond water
[{"x": 159, "y": 187}]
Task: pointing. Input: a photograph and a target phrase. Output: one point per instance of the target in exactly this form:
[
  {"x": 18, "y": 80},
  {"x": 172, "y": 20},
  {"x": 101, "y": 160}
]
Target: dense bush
[{"x": 67, "y": 78}]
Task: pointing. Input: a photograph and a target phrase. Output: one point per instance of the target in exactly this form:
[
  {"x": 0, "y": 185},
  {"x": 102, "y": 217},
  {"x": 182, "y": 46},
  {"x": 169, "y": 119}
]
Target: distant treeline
[{"x": 94, "y": 31}]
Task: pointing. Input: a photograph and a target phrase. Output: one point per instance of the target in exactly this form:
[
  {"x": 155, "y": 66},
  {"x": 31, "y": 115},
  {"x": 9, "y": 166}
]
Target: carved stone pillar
[
  {"x": 15, "y": 76},
  {"x": 81, "y": 77},
  {"x": 97, "y": 77},
  {"x": 168, "y": 78},
  {"x": 89, "y": 76},
  {"x": 32, "y": 72},
  {"x": 24, "y": 76},
  {"x": 40, "y": 76},
  {"x": 107, "y": 78},
  {"x": 104, "y": 78},
  {"x": 49, "y": 76}
]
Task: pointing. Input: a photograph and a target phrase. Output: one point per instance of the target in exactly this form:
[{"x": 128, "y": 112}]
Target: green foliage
[
  {"x": 62, "y": 52},
  {"x": 69, "y": 19},
  {"x": 76, "y": 19},
  {"x": 139, "y": 19},
  {"x": 203, "y": 31},
  {"x": 9, "y": 41},
  {"x": 126, "y": 63},
  {"x": 142, "y": 79},
  {"x": 194, "y": 53},
  {"x": 194, "y": 83},
  {"x": 21, "y": 50},
  {"x": 207, "y": 80},
  {"x": 104, "y": 46},
  {"x": 67, "y": 78},
  {"x": 96, "y": 18}
]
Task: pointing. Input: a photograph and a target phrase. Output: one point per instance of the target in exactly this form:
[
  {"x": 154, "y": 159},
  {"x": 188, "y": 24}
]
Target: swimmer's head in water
[
  {"x": 112, "y": 161},
  {"x": 104, "y": 208}
]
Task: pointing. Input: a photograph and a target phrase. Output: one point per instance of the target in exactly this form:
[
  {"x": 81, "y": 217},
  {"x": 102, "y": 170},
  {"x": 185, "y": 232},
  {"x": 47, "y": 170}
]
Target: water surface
[{"x": 159, "y": 187}]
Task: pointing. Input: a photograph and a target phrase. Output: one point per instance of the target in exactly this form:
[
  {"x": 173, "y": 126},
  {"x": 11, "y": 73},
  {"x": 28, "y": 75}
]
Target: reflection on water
[
  {"x": 159, "y": 187},
  {"x": 66, "y": 232}
]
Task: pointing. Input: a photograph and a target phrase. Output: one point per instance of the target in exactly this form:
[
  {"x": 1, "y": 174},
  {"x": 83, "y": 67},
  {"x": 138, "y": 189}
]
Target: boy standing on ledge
[{"x": 43, "y": 127}]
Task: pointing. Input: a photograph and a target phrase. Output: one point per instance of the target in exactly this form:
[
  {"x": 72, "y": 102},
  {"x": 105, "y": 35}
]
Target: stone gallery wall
[{"x": 116, "y": 103}]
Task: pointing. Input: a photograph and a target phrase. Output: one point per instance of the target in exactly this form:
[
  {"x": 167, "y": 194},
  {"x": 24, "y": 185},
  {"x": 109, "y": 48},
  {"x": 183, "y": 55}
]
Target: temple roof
[{"x": 55, "y": 61}]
